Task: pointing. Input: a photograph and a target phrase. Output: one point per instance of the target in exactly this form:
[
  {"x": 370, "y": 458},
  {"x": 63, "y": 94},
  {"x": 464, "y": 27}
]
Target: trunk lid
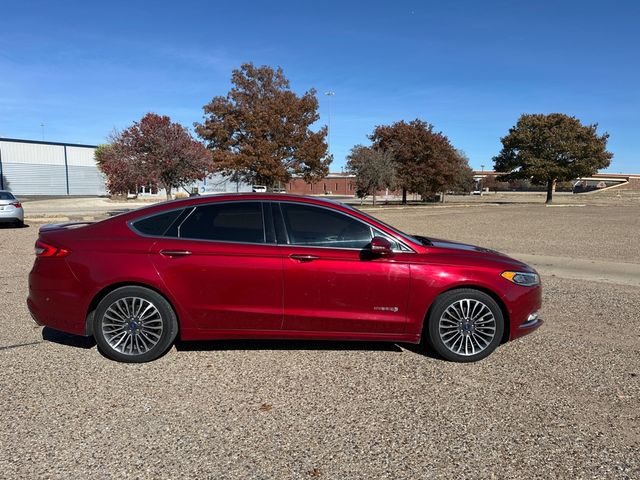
[{"x": 50, "y": 227}]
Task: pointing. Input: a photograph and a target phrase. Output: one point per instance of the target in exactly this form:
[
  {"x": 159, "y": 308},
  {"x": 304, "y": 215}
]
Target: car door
[
  {"x": 221, "y": 262},
  {"x": 331, "y": 281}
]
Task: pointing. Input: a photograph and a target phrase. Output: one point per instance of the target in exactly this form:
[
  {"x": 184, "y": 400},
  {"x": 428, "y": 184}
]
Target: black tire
[
  {"x": 443, "y": 331},
  {"x": 134, "y": 316},
  {"x": 19, "y": 223}
]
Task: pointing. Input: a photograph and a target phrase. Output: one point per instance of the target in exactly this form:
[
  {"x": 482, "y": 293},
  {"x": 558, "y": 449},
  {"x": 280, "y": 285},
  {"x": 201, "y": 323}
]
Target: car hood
[
  {"x": 438, "y": 243},
  {"x": 447, "y": 248}
]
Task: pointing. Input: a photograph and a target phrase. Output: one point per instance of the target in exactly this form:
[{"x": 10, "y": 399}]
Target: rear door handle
[
  {"x": 175, "y": 253},
  {"x": 304, "y": 258}
]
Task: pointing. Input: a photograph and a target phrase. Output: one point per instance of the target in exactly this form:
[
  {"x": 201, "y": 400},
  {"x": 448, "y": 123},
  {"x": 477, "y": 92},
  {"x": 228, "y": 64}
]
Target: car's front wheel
[
  {"x": 465, "y": 325},
  {"x": 134, "y": 324}
]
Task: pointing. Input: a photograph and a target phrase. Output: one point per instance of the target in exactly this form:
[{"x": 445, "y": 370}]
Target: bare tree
[{"x": 374, "y": 170}]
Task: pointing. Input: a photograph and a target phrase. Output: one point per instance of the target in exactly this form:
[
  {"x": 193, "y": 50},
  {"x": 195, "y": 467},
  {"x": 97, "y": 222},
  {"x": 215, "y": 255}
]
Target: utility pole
[
  {"x": 329, "y": 94},
  {"x": 42, "y": 125}
]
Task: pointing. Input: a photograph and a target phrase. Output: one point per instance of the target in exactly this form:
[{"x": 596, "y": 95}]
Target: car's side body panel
[
  {"x": 339, "y": 290},
  {"x": 433, "y": 278},
  {"x": 223, "y": 286},
  {"x": 100, "y": 258}
]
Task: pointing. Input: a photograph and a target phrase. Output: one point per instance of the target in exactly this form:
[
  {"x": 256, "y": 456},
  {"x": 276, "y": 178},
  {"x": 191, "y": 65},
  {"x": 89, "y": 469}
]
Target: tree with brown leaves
[
  {"x": 260, "y": 132},
  {"x": 426, "y": 162},
  {"x": 153, "y": 151}
]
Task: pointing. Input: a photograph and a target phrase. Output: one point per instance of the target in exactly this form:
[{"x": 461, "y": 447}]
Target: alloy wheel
[
  {"x": 132, "y": 325},
  {"x": 467, "y": 327}
]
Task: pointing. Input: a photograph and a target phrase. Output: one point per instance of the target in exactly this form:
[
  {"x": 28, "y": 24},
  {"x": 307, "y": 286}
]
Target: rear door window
[{"x": 225, "y": 222}]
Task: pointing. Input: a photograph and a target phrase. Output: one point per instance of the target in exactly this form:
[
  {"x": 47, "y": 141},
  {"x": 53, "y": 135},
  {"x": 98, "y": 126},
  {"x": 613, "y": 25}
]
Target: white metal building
[{"x": 31, "y": 167}]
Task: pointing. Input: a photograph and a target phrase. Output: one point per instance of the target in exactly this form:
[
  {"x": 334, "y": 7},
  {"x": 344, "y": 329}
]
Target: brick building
[{"x": 332, "y": 184}]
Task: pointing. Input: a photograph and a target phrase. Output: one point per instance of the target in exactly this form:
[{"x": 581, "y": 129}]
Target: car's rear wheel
[
  {"x": 465, "y": 325},
  {"x": 134, "y": 324}
]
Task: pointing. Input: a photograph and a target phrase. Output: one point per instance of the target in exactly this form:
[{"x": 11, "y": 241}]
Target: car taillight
[
  {"x": 17, "y": 204},
  {"x": 45, "y": 250}
]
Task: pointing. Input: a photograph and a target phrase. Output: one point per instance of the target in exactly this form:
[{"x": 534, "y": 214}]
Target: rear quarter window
[{"x": 156, "y": 225}]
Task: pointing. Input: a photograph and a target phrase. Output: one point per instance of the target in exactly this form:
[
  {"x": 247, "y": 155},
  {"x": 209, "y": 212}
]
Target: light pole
[
  {"x": 329, "y": 94},
  {"x": 42, "y": 125},
  {"x": 482, "y": 167}
]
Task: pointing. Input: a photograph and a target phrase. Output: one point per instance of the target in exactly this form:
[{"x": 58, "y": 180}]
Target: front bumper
[
  {"x": 528, "y": 326},
  {"x": 524, "y": 311}
]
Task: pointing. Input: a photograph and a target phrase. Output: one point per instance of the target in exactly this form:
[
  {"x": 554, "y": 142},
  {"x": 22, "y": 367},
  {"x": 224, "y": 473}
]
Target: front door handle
[
  {"x": 175, "y": 253},
  {"x": 304, "y": 258}
]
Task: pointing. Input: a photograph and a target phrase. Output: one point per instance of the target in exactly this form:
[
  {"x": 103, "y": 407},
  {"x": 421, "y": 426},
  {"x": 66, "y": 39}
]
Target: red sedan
[{"x": 273, "y": 266}]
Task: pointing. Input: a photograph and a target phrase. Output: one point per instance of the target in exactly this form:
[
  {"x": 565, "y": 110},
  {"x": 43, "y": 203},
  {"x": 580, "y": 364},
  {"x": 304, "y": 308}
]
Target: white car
[
  {"x": 10, "y": 209},
  {"x": 259, "y": 189}
]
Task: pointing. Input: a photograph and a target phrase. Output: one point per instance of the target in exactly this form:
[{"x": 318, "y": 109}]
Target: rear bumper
[
  {"x": 54, "y": 311},
  {"x": 52, "y": 301},
  {"x": 14, "y": 215}
]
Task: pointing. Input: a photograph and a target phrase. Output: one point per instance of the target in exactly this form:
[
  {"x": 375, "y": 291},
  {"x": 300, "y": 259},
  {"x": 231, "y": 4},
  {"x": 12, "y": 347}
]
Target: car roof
[
  {"x": 224, "y": 197},
  {"x": 275, "y": 197},
  {"x": 270, "y": 196}
]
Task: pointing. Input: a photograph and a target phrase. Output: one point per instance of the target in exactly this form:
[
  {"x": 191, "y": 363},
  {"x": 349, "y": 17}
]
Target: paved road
[
  {"x": 580, "y": 269},
  {"x": 78, "y": 207}
]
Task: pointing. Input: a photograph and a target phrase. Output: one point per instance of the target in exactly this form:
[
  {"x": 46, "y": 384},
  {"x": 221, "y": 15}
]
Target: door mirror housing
[{"x": 381, "y": 246}]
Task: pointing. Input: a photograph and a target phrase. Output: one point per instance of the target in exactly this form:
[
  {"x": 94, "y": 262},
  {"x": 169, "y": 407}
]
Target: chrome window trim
[
  {"x": 371, "y": 227},
  {"x": 132, "y": 227},
  {"x": 193, "y": 209},
  {"x": 275, "y": 244}
]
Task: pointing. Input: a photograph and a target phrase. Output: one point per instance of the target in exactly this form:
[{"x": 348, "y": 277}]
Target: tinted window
[
  {"x": 230, "y": 222},
  {"x": 321, "y": 227},
  {"x": 6, "y": 196},
  {"x": 156, "y": 225}
]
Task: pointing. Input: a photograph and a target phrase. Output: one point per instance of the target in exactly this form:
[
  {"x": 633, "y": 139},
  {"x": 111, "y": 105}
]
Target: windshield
[{"x": 415, "y": 239}]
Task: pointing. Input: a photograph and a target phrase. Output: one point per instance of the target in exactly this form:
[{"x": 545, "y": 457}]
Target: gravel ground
[{"x": 561, "y": 403}]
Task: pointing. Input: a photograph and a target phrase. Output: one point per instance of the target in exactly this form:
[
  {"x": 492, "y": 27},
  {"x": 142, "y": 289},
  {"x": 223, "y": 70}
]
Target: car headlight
[{"x": 526, "y": 279}]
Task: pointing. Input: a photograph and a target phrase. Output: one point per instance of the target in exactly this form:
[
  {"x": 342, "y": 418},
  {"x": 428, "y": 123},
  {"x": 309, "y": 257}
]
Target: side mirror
[{"x": 381, "y": 246}]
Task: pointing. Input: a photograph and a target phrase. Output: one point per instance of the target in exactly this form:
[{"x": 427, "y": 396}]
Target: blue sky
[{"x": 468, "y": 67}]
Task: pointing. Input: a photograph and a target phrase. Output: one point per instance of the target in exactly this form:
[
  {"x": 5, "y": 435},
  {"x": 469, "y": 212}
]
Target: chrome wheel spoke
[
  {"x": 132, "y": 325},
  {"x": 467, "y": 327}
]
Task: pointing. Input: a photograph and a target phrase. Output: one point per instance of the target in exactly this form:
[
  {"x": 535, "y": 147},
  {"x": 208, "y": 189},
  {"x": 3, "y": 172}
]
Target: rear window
[
  {"x": 6, "y": 196},
  {"x": 157, "y": 225}
]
